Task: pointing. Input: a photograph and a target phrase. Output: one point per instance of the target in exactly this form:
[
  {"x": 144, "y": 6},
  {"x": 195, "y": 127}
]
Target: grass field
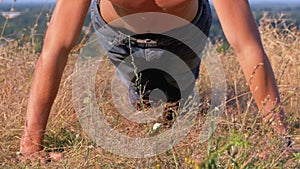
[{"x": 237, "y": 142}]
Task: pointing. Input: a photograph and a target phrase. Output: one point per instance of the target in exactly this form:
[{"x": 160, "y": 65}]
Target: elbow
[
  {"x": 52, "y": 60},
  {"x": 244, "y": 50},
  {"x": 57, "y": 43},
  {"x": 55, "y": 48},
  {"x": 239, "y": 50},
  {"x": 237, "y": 47},
  {"x": 54, "y": 53}
]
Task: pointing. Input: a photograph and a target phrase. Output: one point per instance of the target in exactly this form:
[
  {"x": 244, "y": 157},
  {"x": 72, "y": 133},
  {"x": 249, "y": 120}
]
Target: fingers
[
  {"x": 40, "y": 158},
  {"x": 265, "y": 154},
  {"x": 56, "y": 156},
  {"x": 289, "y": 151},
  {"x": 15, "y": 160}
]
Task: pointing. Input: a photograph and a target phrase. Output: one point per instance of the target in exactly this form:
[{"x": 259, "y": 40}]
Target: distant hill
[{"x": 260, "y": 7}]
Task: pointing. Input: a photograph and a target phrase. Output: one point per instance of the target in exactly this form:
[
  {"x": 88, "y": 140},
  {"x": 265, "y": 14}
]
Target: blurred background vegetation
[{"x": 33, "y": 17}]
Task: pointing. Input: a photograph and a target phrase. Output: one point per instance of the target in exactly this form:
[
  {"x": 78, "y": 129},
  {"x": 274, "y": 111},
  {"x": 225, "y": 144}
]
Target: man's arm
[
  {"x": 63, "y": 32},
  {"x": 241, "y": 31}
]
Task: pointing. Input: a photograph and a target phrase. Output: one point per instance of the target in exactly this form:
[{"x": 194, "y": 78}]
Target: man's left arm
[{"x": 242, "y": 33}]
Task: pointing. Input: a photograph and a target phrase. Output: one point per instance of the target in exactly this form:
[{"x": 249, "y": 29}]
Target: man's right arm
[{"x": 62, "y": 34}]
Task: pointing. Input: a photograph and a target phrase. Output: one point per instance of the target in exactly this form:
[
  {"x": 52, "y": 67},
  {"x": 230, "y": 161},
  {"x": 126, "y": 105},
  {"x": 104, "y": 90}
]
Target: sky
[{"x": 251, "y": 1}]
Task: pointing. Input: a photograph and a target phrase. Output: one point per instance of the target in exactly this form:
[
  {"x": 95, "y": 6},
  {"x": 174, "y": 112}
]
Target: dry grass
[{"x": 238, "y": 140}]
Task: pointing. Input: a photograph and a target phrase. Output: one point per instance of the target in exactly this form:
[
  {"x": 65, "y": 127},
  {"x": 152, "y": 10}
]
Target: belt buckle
[{"x": 147, "y": 42}]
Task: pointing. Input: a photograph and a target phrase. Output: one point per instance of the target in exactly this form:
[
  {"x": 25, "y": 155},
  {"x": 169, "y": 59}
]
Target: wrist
[{"x": 275, "y": 118}]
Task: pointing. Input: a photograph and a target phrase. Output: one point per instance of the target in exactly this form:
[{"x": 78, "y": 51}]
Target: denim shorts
[{"x": 155, "y": 56}]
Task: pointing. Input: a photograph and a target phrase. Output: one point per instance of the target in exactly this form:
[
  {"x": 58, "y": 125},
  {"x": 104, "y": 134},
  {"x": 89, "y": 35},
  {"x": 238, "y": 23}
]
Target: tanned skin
[{"x": 237, "y": 22}]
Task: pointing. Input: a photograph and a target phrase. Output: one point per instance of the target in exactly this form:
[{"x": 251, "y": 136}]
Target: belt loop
[{"x": 123, "y": 38}]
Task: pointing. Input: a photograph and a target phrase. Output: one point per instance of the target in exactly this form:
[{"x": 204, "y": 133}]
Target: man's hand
[{"x": 38, "y": 157}]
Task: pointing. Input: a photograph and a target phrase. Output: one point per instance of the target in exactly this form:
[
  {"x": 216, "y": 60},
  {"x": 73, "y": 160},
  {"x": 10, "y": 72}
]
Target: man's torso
[{"x": 112, "y": 10}]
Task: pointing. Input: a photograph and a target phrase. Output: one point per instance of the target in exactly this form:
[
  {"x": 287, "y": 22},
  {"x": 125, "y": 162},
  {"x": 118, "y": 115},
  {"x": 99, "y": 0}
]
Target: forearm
[
  {"x": 44, "y": 88},
  {"x": 260, "y": 78}
]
